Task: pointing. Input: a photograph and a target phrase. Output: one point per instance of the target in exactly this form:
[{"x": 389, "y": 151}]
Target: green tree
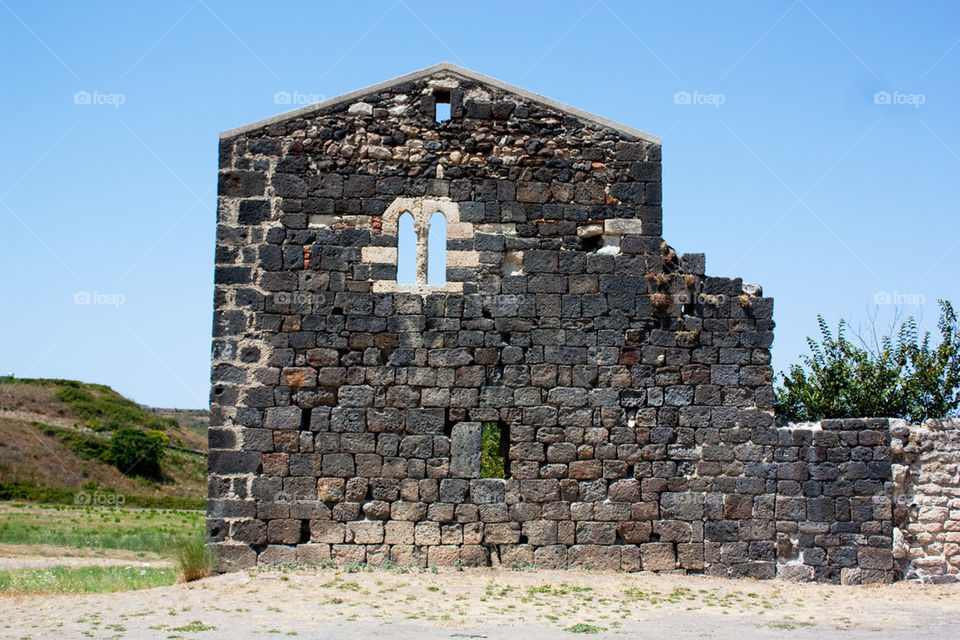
[
  {"x": 901, "y": 377},
  {"x": 136, "y": 452}
]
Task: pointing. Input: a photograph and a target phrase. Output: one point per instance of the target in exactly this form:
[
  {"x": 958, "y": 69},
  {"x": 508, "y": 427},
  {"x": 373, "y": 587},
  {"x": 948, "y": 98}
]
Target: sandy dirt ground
[{"x": 487, "y": 603}]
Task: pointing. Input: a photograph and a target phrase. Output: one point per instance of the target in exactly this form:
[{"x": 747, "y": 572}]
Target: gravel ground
[{"x": 487, "y": 603}]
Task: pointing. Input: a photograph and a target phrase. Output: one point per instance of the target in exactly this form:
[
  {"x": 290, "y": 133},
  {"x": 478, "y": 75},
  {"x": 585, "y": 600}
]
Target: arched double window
[
  {"x": 422, "y": 248},
  {"x": 423, "y": 241}
]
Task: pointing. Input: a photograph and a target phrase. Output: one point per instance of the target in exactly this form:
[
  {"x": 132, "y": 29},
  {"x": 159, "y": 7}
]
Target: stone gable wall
[{"x": 634, "y": 391}]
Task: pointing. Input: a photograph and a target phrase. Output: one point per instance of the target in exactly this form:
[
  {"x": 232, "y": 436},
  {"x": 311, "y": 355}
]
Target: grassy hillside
[{"x": 57, "y": 445}]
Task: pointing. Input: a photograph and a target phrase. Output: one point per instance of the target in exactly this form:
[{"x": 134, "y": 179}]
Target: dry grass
[{"x": 194, "y": 558}]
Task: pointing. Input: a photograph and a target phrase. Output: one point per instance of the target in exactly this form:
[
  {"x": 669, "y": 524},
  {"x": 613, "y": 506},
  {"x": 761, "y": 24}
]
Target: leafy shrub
[
  {"x": 160, "y": 435},
  {"x": 136, "y": 452},
  {"x": 906, "y": 377}
]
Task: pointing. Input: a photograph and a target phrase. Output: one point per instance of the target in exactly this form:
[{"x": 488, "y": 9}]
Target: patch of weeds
[
  {"x": 356, "y": 567},
  {"x": 582, "y": 627},
  {"x": 193, "y": 627},
  {"x": 788, "y": 625}
]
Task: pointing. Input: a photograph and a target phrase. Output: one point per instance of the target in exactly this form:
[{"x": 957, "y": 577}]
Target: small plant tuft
[
  {"x": 660, "y": 301},
  {"x": 194, "y": 559},
  {"x": 657, "y": 279}
]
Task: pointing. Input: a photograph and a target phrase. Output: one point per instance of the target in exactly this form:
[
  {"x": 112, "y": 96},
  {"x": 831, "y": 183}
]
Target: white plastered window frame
[{"x": 422, "y": 209}]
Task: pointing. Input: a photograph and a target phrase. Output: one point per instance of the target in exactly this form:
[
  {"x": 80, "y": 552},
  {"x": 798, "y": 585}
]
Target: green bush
[
  {"x": 136, "y": 452},
  {"x": 903, "y": 377}
]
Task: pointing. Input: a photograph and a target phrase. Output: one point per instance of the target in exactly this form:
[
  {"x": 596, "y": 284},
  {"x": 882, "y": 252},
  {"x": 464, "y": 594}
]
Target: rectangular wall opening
[
  {"x": 442, "y": 105},
  {"x": 495, "y": 450}
]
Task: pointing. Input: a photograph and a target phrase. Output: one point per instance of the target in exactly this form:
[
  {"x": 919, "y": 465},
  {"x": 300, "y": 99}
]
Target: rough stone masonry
[{"x": 633, "y": 392}]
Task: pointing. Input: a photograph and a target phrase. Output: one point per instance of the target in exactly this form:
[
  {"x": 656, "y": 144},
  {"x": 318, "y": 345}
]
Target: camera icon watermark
[
  {"x": 899, "y": 98},
  {"x": 296, "y": 98},
  {"x": 97, "y": 98},
  {"x": 99, "y": 499},
  {"x": 109, "y": 299},
  {"x": 911, "y": 299},
  {"x": 697, "y": 98}
]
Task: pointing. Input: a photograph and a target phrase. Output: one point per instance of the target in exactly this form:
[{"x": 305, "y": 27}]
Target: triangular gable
[{"x": 454, "y": 70}]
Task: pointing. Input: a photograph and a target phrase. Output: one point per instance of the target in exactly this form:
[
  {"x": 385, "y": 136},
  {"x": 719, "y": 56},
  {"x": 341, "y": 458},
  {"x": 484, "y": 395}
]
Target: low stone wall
[
  {"x": 926, "y": 499},
  {"x": 834, "y": 516},
  {"x": 840, "y": 501}
]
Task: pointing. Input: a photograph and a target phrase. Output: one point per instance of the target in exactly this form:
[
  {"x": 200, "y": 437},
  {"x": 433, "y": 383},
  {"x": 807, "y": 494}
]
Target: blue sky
[{"x": 782, "y": 162}]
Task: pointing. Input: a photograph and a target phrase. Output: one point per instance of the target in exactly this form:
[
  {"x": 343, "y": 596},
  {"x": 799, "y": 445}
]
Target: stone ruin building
[{"x": 400, "y": 266}]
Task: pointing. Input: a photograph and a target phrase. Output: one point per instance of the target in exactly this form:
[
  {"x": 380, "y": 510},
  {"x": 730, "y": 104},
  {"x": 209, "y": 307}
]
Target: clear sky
[{"x": 807, "y": 145}]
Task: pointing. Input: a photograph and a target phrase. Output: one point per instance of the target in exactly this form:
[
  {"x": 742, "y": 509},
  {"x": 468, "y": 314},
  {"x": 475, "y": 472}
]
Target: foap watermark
[
  {"x": 912, "y": 299},
  {"x": 899, "y": 98},
  {"x": 297, "y": 98},
  {"x": 97, "y": 98},
  {"x": 293, "y": 297},
  {"x": 99, "y": 499},
  {"x": 710, "y": 99},
  {"x": 296, "y": 496},
  {"x": 712, "y": 300},
  {"x": 109, "y": 299}
]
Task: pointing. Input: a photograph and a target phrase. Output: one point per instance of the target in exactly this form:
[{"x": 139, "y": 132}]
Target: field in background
[{"x": 67, "y": 549}]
